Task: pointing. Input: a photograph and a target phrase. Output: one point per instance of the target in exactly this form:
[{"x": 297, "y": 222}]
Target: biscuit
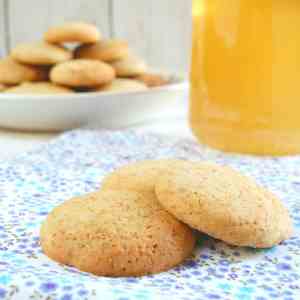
[
  {"x": 106, "y": 51},
  {"x": 38, "y": 88},
  {"x": 115, "y": 233},
  {"x": 82, "y": 73},
  {"x": 12, "y": 72},
  {"x": 123, "y": 85},
  {"x": 221, "y": 202},
  {"x": 40, "y": 53},
  {"x": 130, "y": 66},
  {"x": 140, "y": 176},
  {"x": 2, "y": 87},
  {"x": 80, "y": 32},
  {"x": 152, "y": 80}
]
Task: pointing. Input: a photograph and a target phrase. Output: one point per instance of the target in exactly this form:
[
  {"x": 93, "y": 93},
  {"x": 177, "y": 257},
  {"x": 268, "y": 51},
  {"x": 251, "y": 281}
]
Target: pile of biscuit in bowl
[
  {"x": 73, "y": 57},
  {"x": 146, "y": 218}
]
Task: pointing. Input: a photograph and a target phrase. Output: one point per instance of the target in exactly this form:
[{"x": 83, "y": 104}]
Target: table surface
[
  {"x": 221, "y": 271},
  {"x": 76, "y": 164},
  {"x": 13, "y": 142}
]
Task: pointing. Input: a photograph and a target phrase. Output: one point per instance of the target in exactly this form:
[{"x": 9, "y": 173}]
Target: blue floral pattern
[{"x": 75, "y": 163}]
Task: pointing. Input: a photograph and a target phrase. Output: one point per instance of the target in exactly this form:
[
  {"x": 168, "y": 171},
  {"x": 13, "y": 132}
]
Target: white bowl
[{"x": 104, "y": 110}]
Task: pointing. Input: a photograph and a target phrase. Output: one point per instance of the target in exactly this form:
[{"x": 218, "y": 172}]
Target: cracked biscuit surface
[
  {"x": 223, "y": 203},
  {"x": 116, "y": 233}
]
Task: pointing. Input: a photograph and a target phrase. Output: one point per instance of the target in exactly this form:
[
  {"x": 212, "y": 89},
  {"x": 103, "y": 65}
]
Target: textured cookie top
[
  {"x": 115, "y": 233},
  {"x": 108, "y": 51},
  {"x": 224, "y": 204},
  {"x": 80, "y": 32},
  {"x": 123, "y": 85},
  {"x": 12, "y": 72},
  {"x": 129, "y": 66},
  {"x": 40, "y": 53},
  {"x": 82, "y": 73},
  {"x": 140, "y": 176},
  {"x": 39, "y": 88}
]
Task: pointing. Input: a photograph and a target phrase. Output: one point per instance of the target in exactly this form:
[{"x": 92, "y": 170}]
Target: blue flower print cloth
[{"x": 32, "y": 184}]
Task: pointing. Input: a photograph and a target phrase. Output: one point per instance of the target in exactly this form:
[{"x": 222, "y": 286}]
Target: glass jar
[{"x": 245, "y": 94}]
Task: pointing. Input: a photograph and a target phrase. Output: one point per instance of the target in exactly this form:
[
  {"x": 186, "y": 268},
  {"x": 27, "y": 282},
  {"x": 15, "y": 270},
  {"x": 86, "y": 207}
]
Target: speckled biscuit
[
  {"x": 129, "y": 66},
  {"x": 107, "y": 51},
  {"x": 140, "y": 176},
  {"x": 153, "y": 80},
  {"x": 115, "y": 233},
  {"x": 82, "y": 73},
  {"x": 224, "y": 204},
  {"x": 12, "y": 72},
  {"x": 123, "y": 85},
  {"x": 40, "y": 53},
  {"x": 38, "y": 88},
  {"x": 70, "y": 32}
]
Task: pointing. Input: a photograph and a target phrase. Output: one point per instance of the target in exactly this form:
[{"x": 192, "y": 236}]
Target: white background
[{"x": 158, "y": 30}]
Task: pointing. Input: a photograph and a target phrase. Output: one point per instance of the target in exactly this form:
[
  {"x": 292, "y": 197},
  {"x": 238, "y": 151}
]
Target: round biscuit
[
  {"x": 223, "y": 203},
  {"x": 116, "y": 233},
  {"x": 2, "y": 87},
  {"x": 153, "y": 80},
  {"x": 40, "y": 53},
  {"x": 71, "y": 32},
  {"x": 82, "y": 73},
  {"x": 12, "y": 72},
  {"x": 107, "y": 51},
  {"x": 140, "y": 176},
  {"x": 123, "y": 85},
  {"x": 130, "y": 66},
  {"x": 38, "y": 88}
]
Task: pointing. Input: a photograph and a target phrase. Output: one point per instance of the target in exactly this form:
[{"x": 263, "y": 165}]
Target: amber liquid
[{"x": 245, "y": 94}]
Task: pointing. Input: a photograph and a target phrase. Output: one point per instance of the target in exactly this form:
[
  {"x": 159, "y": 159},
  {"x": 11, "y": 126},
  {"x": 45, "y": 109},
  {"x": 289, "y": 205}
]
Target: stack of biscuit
[
  {"x": 142, "y": 220},
  {"x": 51, "y": 67}
]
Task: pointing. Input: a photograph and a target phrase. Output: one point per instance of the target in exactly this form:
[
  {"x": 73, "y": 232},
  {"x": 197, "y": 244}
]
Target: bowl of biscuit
[{"x": 74, "y": 77}]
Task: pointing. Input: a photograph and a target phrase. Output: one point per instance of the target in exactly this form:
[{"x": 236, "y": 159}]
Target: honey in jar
[{"x": 245, "y": 78}]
